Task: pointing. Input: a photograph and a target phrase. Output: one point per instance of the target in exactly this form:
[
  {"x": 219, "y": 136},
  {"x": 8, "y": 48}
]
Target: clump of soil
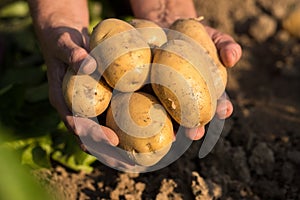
[{"x": 258, "y": 154}]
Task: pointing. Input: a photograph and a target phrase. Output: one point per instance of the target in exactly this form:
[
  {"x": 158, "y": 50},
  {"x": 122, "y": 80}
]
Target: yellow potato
[
  {"x": 292, "y": 22},
  {"x": 144, "y": 129},
  {"x": 85, "y": 95},
  {"x": 192, "y": 30},
  {"x": 122, "y": 55},
  {"x": 181, "y": 80},
  {"x": 152, "y": 33}
]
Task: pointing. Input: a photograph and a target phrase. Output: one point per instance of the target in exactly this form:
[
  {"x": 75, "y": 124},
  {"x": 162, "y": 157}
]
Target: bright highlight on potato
[
  {"x": 183, "y": 69},
  {"x": 122, "y": 55},
  {"x": 143, "y": 127},
  {"x": 85, "y": 95},
  {"x": 182, "y": 81},
  {"x": 153, "y": 34},
  {"x": 192, "y": 29}
]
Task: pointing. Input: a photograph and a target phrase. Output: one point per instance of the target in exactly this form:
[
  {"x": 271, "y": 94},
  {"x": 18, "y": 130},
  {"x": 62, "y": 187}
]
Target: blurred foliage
[
  {"x": 15, "y": 9},
  {"x": 31, "y": 126},
  {"x": 16, "y": 183}
]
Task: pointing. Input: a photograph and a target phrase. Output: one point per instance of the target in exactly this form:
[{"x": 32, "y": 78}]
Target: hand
[
  {"x": 230, "y": 52},
  {"x": 164, "y": 13},
  {"x": 63, "y": 47}
]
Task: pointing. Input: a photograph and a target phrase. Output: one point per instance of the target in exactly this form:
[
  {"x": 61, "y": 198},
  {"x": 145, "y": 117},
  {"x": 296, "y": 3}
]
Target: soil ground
[{"x": 258, "y": 155}]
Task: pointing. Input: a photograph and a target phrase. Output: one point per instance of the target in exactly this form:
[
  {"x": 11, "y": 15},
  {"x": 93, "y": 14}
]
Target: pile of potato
[{"x": 182, "y": 66}]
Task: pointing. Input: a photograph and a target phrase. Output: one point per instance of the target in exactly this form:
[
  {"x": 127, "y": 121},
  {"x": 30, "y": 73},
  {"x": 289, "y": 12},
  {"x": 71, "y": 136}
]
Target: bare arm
[
  {"x": 61, "y": 27},
  {"x": 55, "y": 13}
]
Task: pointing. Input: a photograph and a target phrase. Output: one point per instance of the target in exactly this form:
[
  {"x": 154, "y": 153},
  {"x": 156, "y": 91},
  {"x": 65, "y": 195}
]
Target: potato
[
  {"x": 181, "y": 80},
  {"x": 122, "y": 56},
  {"x": 85, "y": 95},
  {"x": 152, "y": 33},
  {"x": 193, "y": 29},
  {"x": 292, "y": 22},
  {"x": 144, "y": 129}
]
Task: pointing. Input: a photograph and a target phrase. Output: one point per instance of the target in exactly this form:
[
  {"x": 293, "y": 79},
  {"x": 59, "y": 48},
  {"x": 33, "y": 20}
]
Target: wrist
[
  {"x": 48, "y": 14},
  {"x": 163, "y": 12}
]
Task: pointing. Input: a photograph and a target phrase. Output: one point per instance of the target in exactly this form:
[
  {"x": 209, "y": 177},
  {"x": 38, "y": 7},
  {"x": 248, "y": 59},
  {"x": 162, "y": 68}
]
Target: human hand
[
  {"x": 63, "y": 47},
  {"x": 164, "y": 14}
]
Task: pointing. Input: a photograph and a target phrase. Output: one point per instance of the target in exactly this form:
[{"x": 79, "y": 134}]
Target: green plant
[{"x": 32, "y": 127}]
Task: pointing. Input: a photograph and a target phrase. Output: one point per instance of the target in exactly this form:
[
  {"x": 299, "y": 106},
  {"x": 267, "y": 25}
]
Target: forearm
[
  {"x": 163, "y": 12},
  {"x": 49, "y": 13}
]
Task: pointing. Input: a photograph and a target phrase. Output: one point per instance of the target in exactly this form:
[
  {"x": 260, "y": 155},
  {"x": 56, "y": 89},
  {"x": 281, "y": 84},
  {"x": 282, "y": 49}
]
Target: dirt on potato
[{"x": 258, "y": 154}]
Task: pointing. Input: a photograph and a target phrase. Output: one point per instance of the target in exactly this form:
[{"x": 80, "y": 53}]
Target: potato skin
[
  {"x": 193, "y": 29},
  {"x": 106, "y": 29},
  {"x": 181, "y": 80},
  {"x": 122, "y": 56},
  {"x": 146, "y": 140},
  {"x": 152, "y": 33},
  {"x": 85, "y": 95},
  {"x": 291, "y": 23}
]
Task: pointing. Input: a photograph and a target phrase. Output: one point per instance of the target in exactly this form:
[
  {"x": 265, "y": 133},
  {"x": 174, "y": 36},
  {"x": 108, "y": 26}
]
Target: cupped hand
[
  {"x": 63, "y": 47},
  {"x": 230, "y": 53}
]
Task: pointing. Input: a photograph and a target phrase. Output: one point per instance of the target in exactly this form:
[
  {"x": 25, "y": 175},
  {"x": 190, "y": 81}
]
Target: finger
[
  {"x": 88, "y": 65},
  {"x": 101, "y": 142},
  {"x": 224, "y": 109},
  {"x": 73, "y": 54},
  {"x": 229, "y": 50},
  {"x": 109, "y": 155},
  {"x": 86, "y": 127},
  {"x": 195, "y": 133}
]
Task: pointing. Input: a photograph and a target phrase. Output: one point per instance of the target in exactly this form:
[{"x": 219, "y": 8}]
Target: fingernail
[
  {"x": 114, "y": 141},
  {"x": 88, "y": 66},
  {"x": 200, "y": 132},
  {"x": 231, "y": 57},
  {"x": 233, "y": 53},
  {"x": 222, "y": 114}
]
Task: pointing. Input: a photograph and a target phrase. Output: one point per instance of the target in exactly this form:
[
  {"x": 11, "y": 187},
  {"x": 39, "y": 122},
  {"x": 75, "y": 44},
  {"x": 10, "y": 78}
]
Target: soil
[{"x": 258, "y": 154}]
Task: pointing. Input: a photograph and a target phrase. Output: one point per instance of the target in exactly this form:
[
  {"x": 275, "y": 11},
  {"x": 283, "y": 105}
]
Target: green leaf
[
  {"x": 6, "y": 134},
  {"x": 95, "y": 9},
  {"x": 79, "y": 161},
  {"x": 35, "y": 157},
  {"x": 37, "y": 153},
  {"x": 17, "y": 144},
  {"x": 69, "y": 154},
  {"x": 16, "y": 182},
  {"x": 16, "y": 9},
  {"x": 93, "y": 23}
]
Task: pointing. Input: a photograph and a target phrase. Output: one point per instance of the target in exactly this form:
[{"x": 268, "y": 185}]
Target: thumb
[
  {"x": 230, "y": 51},
  {"x": 71, "y": 51},
  {"x": 88, "y": 128},
  {"x": 79, "y": 59}
]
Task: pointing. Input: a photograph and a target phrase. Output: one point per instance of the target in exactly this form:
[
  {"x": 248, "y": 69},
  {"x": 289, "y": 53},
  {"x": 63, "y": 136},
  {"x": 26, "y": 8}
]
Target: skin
[
  {"x": 61, "y": 27},
  {"x": 164, "y": 13}
]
